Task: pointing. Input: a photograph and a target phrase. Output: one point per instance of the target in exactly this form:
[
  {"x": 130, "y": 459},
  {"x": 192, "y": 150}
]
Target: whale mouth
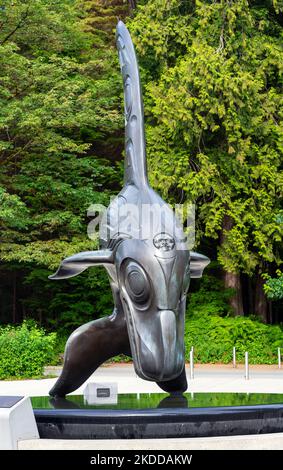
[{"x": 160, "y": 356}]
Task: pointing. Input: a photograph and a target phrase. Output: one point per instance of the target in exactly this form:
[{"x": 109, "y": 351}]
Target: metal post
[
  {"x": 192, "y": 363},
  {"x": 279, "y": 358},
  {"x": 234, "y": 357},
  {"x": 247, "y": 375}
]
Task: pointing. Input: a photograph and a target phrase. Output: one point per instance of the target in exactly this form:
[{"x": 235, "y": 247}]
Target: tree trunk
[
  {"x": 232, "y": 280},
  {"x": 24, "y": 312},
  {"x": 133, "y": 4},
  {"x": 260, "y": 304},
  {"x": 270, "y": 312},
  {"x": 40, "y": 316},
  {"x": 14, "y": 307},
  {"x": 250, "y": 296}
]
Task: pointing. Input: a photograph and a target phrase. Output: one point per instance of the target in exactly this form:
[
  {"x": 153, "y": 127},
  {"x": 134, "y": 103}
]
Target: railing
[{"x": 247, "y": 371}]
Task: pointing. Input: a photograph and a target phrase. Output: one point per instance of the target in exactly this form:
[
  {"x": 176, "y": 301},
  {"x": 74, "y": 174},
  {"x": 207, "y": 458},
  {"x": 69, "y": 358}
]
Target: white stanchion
[
  {"x": 234, "y": 357},
  {"x": 247, "y": 372},
  {"x": 192, "y": 363}
]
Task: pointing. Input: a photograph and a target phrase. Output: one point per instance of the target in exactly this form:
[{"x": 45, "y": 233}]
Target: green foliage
[
  {"x": 66, "y": 305},
  {"x": 120, "y": 358},
  {"x": 60, "y": 130},
  {"x": 213, "y": 338},
  {"x": 274, "y": 286},
  {"x": 210, "y": 298},
  {"x": 213, "y": 100},
  {"x": 102, "y": 15},
  {"x": 212, "y": 75},
  {"x": 13, "y": 212},
  {"x": 57, "y": 97},
  {"x": 213, "y": 332},
  {"x": 24, "y": 350}
]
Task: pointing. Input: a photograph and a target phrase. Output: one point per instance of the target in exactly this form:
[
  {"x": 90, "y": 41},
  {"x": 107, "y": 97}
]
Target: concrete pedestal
[{"x": 17, "y": 421}]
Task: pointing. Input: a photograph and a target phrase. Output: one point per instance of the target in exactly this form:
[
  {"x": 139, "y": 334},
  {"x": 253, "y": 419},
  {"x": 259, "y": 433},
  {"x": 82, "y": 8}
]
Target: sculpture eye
[{"x": 137, "y": 283}]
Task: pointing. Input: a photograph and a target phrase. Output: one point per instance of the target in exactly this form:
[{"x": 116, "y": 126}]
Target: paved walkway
[
  {"x": 252, "y": 442},
  {"x": 208, "y": 378}
]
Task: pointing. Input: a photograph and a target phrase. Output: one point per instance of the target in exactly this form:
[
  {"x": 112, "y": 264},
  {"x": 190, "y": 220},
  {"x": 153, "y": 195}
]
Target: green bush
[
  {"x": 213, "y": 331},
  {"x": 24, "y": 350},
  {"x": 213, "y": 338},
  {"x": 273, "y": 287},
  {"x": 211, "y": 297}
]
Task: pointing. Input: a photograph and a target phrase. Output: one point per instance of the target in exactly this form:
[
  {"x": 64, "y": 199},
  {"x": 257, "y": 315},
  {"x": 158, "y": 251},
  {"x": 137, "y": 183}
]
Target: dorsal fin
[{"x": 135, "y": 160}]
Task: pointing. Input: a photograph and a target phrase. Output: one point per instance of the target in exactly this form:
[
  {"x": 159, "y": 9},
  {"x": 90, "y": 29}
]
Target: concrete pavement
[
  {"x": 207, "y": 378},
  {"x": 251, "y": 442}
]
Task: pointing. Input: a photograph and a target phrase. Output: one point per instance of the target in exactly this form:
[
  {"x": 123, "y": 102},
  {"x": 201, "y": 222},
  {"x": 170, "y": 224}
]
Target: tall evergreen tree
[
  {"x": 60, "y": 104},
  {"x": 102, "y": 16},
  {"x": 213, "y": 73}
]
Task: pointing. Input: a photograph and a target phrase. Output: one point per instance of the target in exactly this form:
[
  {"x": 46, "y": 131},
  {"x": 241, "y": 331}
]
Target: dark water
[{"x": 162, "y": 400}]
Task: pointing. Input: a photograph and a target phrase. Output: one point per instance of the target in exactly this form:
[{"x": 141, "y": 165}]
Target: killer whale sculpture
[{"x": 149, "y": 268}]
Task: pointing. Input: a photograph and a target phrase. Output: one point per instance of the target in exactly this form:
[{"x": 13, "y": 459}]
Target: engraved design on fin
[{"x": 135, "y": 163}]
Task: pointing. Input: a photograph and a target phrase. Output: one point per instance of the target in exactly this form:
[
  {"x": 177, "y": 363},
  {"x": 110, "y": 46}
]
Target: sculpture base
[{"x": 157, "y": 415}]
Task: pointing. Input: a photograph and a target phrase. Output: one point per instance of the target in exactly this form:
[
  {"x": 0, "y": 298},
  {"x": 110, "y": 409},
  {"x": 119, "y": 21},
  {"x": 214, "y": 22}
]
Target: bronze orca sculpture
[{"x": 148, "y": 263}]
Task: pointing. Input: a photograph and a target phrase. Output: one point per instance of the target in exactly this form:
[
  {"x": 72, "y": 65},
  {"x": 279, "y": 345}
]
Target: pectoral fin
[
  {"x": 197, "y": 264},
  {"x": 76, "y": 264}
]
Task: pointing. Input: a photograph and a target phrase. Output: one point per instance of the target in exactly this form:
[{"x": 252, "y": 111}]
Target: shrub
[
  {"x": 24, "y": 350},
  {"x": 211, "y": 297},
  {"x": 273, "y": 287},
  {"x": 213, "y": 331},
  {"x": 213, "y": 338}
]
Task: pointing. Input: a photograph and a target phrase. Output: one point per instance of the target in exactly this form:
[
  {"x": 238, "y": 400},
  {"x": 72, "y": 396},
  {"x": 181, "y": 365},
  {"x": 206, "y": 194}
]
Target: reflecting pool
[{"x": 139, "y": 401}]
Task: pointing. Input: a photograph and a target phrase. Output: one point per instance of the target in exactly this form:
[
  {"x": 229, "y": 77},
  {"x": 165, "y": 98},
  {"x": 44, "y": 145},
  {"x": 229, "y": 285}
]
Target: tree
[
  {"x": 213, "y": 101},
  {"x": 102, "y": 15},
  {"x": 60, "y": 99}
]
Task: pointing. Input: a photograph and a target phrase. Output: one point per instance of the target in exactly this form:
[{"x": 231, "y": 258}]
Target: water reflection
[
  {"x": 175, "y": 400},
  {"x": 161, "y": 400},
  {"x": 63, "y": 403}
]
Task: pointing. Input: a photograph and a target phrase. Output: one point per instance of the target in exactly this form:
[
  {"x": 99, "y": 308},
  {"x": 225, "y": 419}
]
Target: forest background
[{"x": 212, "y": 82}]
